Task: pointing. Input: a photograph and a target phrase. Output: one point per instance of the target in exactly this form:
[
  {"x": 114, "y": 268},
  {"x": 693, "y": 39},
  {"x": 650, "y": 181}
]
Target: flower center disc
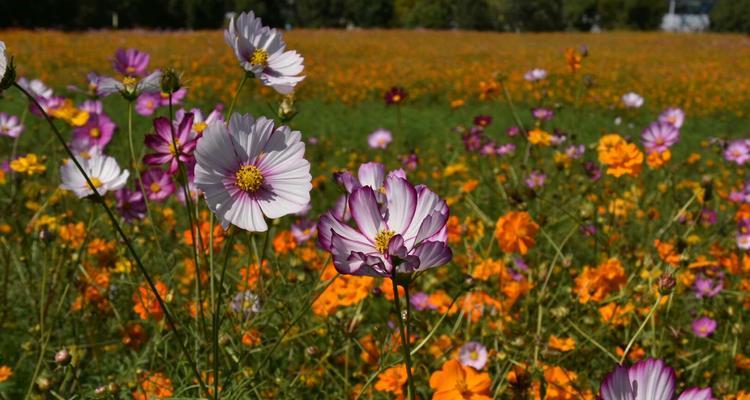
[
  {"x": 96, "y": 181},
  {"x": 259, "y": 58},
  {"x": 382, "y": 239},
  {"x": 95, "y": 133},
  {"x": 249, "y": 178}
]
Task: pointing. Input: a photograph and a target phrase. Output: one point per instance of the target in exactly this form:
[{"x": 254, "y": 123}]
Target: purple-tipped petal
[
  {"x": 432, "y": 254},
  {"x": 617, "y": 386},
  {"x": 372, "y": 174},
  {"x": 655, "y": 380},
  {"x": 366, "y": 212},
  {"x": 402, "y": 202},
  {"x": 696, "y": 394}
]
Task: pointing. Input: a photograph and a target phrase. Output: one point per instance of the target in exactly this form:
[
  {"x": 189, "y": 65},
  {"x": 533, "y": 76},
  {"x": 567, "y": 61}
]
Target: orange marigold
[
  {"x": 5, "y": 373},
  {"x": 392, "y": 380},
  {"x": 515, "y": 232},
  {"x": 620, "y": 157},
  {"x": 562, "y": 344},
  {"x": 153, "y": 386},
  {"x": 284, "y": 242},
  {"x": 146, "y": 303},
  {"x": 594, "y": 284}
]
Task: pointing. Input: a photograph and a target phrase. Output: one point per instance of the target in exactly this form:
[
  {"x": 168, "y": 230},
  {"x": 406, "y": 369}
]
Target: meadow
[{"x": 586, "y": 229}]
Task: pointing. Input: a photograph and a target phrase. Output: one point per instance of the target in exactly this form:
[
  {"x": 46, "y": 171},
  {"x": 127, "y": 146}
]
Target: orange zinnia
[
  {"x": 457, "y": 382},
  {"x": 515, "y": 232}
]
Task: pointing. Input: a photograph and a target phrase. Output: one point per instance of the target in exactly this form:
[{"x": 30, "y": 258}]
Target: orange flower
[
  {"x": 656, "y": 160},
  {"x": 540, "y": 137},
  {"x": 487, "y": 269},
  {"x": 153, "y": 386},
  {"x": 392, "y": 380},
  {"x": 201, "y": 232},
  {"x": 594, "y": 284},
  {"x": 636, "y": 352},
  {"x": 345, "y": 291},
  {"x": 284, "y": 242},
  {"x": 616, "y": 315},
  {"x": 73, "y": 234},
  {"x": 667, "y": 252},
  {"x": 469, "y": 186},
  {"x": 145, "y": 302},
  {"x": 249, "y": 276},
  {"x": 741, "y": 362},
  {"x": 573, "y": 59},
  {"x": 566, "y": 344},
  {"x": 5, "y": 373},
  {"x": 515, "y": 232},
  {"x": 457, "y": 382},
  {"x": 251, "y": 338},
  {"x": 440, "y": 301},
  {"x": 621, "y": 157},
  {"x": 458, "y": 103}
]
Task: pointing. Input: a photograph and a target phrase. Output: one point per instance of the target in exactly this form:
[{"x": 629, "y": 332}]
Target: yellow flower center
[
  {"x": 396, "y": 98},
  {"x": 259, "y": 58},
  {"x": 200, "y": 127},
  {"x": 95, "y": 133},
  {"x": 129, "y": 82},
  {"x": 155, "y": 187},
  {"x": 249, "y": 178},
  {"x": 474, "y": 355},
  {"x": 174, "y": 148},
  {"x": 382, "y": 239},
  {"x": 96, "y": 181}
]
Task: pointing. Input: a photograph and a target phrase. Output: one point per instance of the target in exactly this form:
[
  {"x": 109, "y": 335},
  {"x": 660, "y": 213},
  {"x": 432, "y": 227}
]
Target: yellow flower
[
  {"x": 540, "y": 137},
  {"x": 28, "y": 165},
  {"x": 562, "y": 344}
]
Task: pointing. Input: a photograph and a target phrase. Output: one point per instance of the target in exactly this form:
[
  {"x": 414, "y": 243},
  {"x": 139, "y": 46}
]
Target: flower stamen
[
  {"x": 382, "y": 239},
  {"x": 249, "y": 178}
]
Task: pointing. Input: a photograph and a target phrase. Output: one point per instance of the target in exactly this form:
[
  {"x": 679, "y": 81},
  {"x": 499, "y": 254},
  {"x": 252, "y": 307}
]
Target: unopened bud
[
  {"x": 287, "y": 110},
  {"x": 170, "y": 81},
  {"x": 666, "y": 284},
  {"x": 63, "y": 357}
]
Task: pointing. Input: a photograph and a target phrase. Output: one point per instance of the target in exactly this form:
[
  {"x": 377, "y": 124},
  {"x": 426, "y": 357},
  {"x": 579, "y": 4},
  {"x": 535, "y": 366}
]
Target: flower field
[{"x": 373, "y": 215}]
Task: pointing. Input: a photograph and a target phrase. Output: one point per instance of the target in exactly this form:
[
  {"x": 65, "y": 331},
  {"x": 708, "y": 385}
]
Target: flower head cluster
[
  {"x": 620, "y": 157},
  {"x": 594, "y": 284}
]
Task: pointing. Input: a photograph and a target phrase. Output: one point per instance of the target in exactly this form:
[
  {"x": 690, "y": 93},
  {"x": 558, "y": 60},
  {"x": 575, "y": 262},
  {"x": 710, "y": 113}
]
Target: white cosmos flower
[
  {"x": 632, "y": 100},
  {"x": 36, "y": 87},
  {"x": 129, "y": 86},
  {"x": 252, "y": 169},
  {"x": 262, "y": 51},
  {"x": 103, "y": 171}
]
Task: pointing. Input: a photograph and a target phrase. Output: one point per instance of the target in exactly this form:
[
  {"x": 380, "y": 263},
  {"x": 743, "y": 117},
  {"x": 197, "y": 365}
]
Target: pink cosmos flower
[
  {"x": 92, "y": 107},
  {"x": 157, "y": 184},
  {"x": 147, "y": 103},
  {"x": 407, "y": 234},
  {"x": 380, "y": 138},
  {"x": 473, "y": 354},
  {"x": 199, "y": 122},
  {"x": 252, "y": 170},
  {"x": 10, "y": 125},
  {"x": 659, "y": 136},
  {"x": 632, "y": 100},
  {"x": 130, "y": 62},
  {"x": 96, "y": 132},
  {"x": 737, "y": 152},
  {"x": 647, "y": 380},
  {"x": 167, "y": 150},
  {"x": 703, "y": 326},
  {"x": 536, "y": 74},
  {"x": 535, "y": 180},
  {"x": 673, "y": 116}
]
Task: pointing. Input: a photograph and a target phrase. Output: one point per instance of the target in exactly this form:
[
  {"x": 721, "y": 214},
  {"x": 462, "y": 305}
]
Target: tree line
[{"x": 498, "y": 15}]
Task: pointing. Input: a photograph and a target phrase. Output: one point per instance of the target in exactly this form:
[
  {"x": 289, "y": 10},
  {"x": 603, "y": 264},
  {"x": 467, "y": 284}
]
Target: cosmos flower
[
  {"x": 130, "y": 204},
  {"x": 542, "y": 113},
  {"x": 408, "y": 234},
  {"x": 103, "y": 171},
  {"x": 659, "y": 136},
  {"x": 245, "y": 303},
  {"x": 130, "y": 87},
  {"x": 483, "y": 120},
  {"x": 703, "y": 326},
  {"x": 738, "y": 152},
  {"x": 10, "y": 125},
  {"x": 130, "y": 62},
  {"x": 199, "y": 121},
  {"x": 673, "y": 116},
  {"x": 743, "y": 234},
  {"x": 252, "y": 169},
  {"x": 515, "y": 232},
  {"x": 169, "y": 151},
  {"x": 646, "y": 380},
  {"x": 36, "y": 88},
  {"x": 513, "y": 131},
  {"x": 157, "y": 184},
  {"x": 410, "y": 161},
  {"x": 473, "y": 354},
  {"x": 632, "y": 100},
  {"x": 262, "y": 52},
  {"x": 705, "y": 287},
  {"x": 380, "y": 138},
  {"x": 535, "y": 180},
  {"x": 304, "y": 230},
  {"x": 395, "y": 96},
  {"x": 536, "y": 74},
  {"x": 455, "y": 381},
  {"x": 92, "y": 107},
  {"x": 147, "y": 103},
  {"x": 97, "y": 132}
]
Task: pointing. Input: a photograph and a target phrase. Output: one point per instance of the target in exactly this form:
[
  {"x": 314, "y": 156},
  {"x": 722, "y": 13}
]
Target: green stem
[
  {"x": 404, "y": 337},
  {"x": 640, "y": 328},
  {"x": 99, "y": 199},
  {"x": 234, "y": 98},
  {"x": 217, "y": 319}
]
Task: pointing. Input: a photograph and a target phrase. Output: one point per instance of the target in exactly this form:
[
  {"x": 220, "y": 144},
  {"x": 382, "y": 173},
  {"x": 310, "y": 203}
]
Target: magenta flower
[
  {"x": 410, "y": 161},
  {"x": 707, "y": 287},
  {"x": 130, "y": 204},
  {"x": 252, "y": 170},
  {"x": 513, "y": 131},
  {"x": 473, "y": 354},
  {"x": 395, "y": 96},
  {"x": 673, "y": 116},
  {"x": 130, "y": 62},
  {"x": 743, "y": 234},
  {"x": 703, "y": 326},
  {"x": 10, "y": 125},
  {"x": 483, "y": 120},
  {"x": 147, "y": 103},
  {"x": 420, "y": 301},
  {"x": 646, "y": 380},
  {"x": 157, "y": 184},
  {"x": 380, "y": 138},
  {"x": 168, "y": 150},
  {"x": 407, "y": 234},
  {"x": 92, "y": 107},
  {"x": 97, "y": 132},
  {"x": 177, "y": 97},
  {"x": 199, "y": 122},
  {"x": 542, "y": 113},
  {"x": 737, "y": 152},
  {"x": 535, "y": 180},
  {"x": 659, "y": 136}
]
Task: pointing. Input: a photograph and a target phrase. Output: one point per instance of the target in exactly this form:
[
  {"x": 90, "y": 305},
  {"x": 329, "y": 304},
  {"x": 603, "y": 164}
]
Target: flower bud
[
  {"x": 170, "y": 81},
  {"x": 287, "y": 110},
  {"x": 63, "y": 357},
  {"x": 666, "y": 284},
  {"x": 7, "y": 77}
]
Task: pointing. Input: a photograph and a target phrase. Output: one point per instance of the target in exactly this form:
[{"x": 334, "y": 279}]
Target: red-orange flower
[
  {"x": 515, "y": 232},
  {"x": 146, "y": 303},
  {"x": 457, "y": 382}
]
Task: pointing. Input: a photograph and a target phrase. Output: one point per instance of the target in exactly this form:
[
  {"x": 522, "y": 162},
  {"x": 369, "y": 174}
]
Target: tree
[
  {"x": 535, "y": 15},
  {"x": 731, "y": 16}
]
